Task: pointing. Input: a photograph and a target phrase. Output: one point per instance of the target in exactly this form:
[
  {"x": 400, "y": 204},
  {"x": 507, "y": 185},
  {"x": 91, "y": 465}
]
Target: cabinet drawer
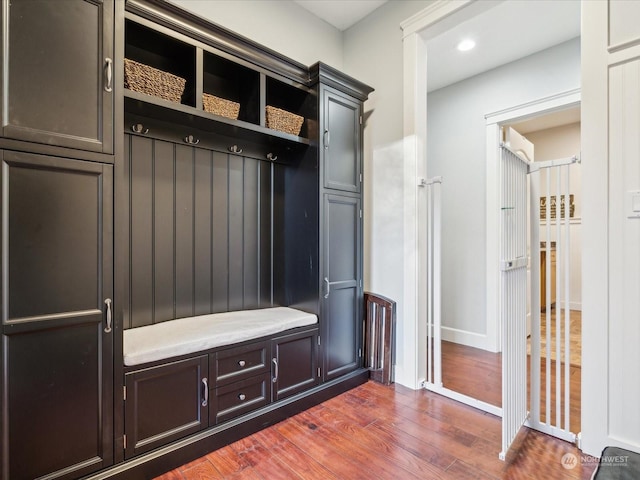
[
  {"x": 240, "y": 362},
  {"x": 240, "y": 397}
]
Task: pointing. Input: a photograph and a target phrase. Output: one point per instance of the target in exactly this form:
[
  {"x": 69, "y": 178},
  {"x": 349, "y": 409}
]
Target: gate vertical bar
[
  {"x": 558, "y": 310},
  {"x": 567, "y": 310},
  {"x": 534, "y": 394},
  {"x": 436, "y": 187}
]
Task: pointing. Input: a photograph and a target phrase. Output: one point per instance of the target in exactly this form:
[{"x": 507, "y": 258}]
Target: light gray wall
[
  {"x": 373, "y": 53},
  {"x": 456, "y": 150},
  {"x": 281, "y": 25}
]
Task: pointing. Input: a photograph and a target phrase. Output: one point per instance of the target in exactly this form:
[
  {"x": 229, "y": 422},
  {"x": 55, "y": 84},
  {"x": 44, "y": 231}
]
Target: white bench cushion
[{"x": 194, "y": 334}]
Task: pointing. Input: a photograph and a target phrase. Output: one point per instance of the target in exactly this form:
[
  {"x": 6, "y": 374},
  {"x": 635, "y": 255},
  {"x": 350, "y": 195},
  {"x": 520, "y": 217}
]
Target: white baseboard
[{"x": 464, "y": 337}]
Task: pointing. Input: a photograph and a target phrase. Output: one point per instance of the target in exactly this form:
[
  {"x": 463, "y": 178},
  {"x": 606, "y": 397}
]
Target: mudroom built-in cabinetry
[{"x": 181, "y": 237}]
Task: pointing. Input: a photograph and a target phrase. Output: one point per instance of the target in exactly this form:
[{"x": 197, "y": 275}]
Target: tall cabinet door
[
  {"x": 57, "y": 73},
  {"x": 340, "y": 151},
  {"x": 342, "y": 296},
  {"x": 57, "y": 340}
]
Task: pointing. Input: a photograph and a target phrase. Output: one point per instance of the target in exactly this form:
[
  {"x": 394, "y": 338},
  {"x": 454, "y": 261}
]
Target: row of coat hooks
[{"x": 191, "y": 140}]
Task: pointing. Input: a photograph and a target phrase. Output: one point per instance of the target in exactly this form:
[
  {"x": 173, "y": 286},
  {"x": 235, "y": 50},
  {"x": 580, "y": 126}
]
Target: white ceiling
[
  {"x": 341, "y": 13},
  {"x": 504, "y": 32}
]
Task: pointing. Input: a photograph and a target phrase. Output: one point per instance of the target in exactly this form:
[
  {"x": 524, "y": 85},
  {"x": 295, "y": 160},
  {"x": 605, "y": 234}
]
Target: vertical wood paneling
[
  {"x": 141, "y": 231},
  {"x": 624, "y": 254},
  {"x": 251, "y": 233},
  {"x": 236, "y": 233},
  {"x": 200, "y": 237},
  {"x": 202, "y": 232},
  {"x": 126, "y": 281},
  {"x": 266, "y": 256},
  {"x": 220, "y": 234},
  {"x": 163, "y": 239},
  {"x": 184, "y": 231}
]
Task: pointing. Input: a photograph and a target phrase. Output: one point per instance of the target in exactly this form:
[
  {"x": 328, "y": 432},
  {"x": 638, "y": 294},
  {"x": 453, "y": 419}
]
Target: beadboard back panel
[{"x": 199, "y": 225}]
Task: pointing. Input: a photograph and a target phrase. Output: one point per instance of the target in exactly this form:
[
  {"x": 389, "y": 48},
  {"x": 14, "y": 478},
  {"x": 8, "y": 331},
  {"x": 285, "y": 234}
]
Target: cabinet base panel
[{"x": 183, "y": 451}]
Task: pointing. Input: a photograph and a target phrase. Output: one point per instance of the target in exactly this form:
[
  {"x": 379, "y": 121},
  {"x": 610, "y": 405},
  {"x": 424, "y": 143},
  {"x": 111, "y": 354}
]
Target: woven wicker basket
[
  {"x": 220, "y": 106},
  {"x": 145, "y": 79},
  {"x": 283, "y": 121}
]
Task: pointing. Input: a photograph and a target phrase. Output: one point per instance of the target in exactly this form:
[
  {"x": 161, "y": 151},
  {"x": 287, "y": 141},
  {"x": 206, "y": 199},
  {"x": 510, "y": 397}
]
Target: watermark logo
[{"x": 569, "y": 461}]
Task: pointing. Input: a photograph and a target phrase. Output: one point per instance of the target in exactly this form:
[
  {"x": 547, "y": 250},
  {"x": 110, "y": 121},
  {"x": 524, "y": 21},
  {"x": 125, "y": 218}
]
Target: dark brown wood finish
[
  {"x": 165, "y": 403},
  {"x": 392, "y": 432},
  {"x": 56, "y": 350},
  {"x": 199, "y": 231},
  {"x": 294, "y": 363},
  {"x": 58, "y": 57},
  {"x": 379, "y": 341}
]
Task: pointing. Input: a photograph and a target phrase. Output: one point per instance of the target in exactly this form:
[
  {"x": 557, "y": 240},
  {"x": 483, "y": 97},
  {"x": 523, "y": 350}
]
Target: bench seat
[{"x": 193, "y": 334}]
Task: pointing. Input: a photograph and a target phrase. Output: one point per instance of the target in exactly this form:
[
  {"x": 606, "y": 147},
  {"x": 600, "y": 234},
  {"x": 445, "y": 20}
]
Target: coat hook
[
  {"x": 235, "y": 149},
  {"x": 191, "y": 140},
  {"x": 139, "y": 128},
  {"x": 272, "y": 157}
]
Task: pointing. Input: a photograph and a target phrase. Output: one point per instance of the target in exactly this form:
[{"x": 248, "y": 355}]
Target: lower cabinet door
[
  {"x": 165, "y": 403},
  {"x": 294, "y": 363},
  {"x": 237, "y": 398}
]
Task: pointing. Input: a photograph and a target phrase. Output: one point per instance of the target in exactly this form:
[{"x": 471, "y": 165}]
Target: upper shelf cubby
[
  {"x": 299, "y": 101},
  {"x": 220, "y": 91},
  {"x": 235, "y": 89},
  {"x": 163, "y": 65}
]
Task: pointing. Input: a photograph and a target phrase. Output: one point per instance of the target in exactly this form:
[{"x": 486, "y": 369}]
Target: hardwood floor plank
[
  {"x": 295, "y": 458},
  {"x": 387, "y": 432}
]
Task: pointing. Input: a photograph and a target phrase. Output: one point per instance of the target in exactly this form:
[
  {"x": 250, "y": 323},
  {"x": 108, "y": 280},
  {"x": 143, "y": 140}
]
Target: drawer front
[
  {"x": 240, "y": 397},
  {"x": 238, "y": 363}
]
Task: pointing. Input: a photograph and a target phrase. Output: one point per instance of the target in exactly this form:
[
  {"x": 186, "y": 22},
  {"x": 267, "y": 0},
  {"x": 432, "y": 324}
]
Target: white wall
[
  {"x": 551, "y": 144},
  {"x": 373, "y": 53},
  {"x": 456, "y": 150},
  {"x": 281, "y": 25}
]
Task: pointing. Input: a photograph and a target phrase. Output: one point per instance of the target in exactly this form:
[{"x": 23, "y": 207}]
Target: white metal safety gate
[
  {"x": 520, "y": 225},
  {"x": 513, "y": 293}
]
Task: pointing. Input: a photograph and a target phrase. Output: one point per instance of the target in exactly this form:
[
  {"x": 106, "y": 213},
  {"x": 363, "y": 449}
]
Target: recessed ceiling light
[{"x": 466, "y": 45}]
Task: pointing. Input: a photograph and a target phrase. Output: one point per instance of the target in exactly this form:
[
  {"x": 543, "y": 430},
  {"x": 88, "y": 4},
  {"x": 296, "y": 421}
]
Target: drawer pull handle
[
  {"x": 205, "y": 400},
  {"x": 242, "y": 363},
  {"x": 242, "y": 396},
  {"x": 275, "y": 375},
  {"x": 107, "y": 302}
]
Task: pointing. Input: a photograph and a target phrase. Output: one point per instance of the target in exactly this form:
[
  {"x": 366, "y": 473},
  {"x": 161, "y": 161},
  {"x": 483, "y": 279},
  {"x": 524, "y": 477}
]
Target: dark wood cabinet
[
  {"x": 57, "y": 76},
  {"x": 340, "y": 152},
  {"x": 165, "y": 403},
  {"x": 294, "y": 363},
  {"x": 342, "y": 299},
  {"x": 232, "y": 400},
  {"x": 57, "y": 337}
]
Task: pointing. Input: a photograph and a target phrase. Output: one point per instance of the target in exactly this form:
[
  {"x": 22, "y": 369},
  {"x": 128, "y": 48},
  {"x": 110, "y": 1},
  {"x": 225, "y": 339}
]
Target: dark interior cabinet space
[
  {"x": 342, "y": 299},
  {"x": 341, "y": 151},
  {"x": 298, "y": 100},
  {"x": 294, "y": 363},
  {"x": 165, "y": 403},
  {"x": 57, "y": 340},
  {"x": 162, "y": 52},
  {"x": 58, "y": 73},
  {"x": 230, "y": 81}
]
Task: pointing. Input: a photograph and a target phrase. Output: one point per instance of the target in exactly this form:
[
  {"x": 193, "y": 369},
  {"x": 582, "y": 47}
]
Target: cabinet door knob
[
  {"x": 242, "y": 396},
  {"x": 235, "y": 149},
  {"x": 242, "y": 363},
  {"x": 271, "y": 157},
  {"x": 191, "y": 140}
]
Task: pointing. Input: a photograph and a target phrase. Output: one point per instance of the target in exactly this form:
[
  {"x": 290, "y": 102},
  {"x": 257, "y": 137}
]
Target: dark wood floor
[{"x": 382, "y": 432}]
